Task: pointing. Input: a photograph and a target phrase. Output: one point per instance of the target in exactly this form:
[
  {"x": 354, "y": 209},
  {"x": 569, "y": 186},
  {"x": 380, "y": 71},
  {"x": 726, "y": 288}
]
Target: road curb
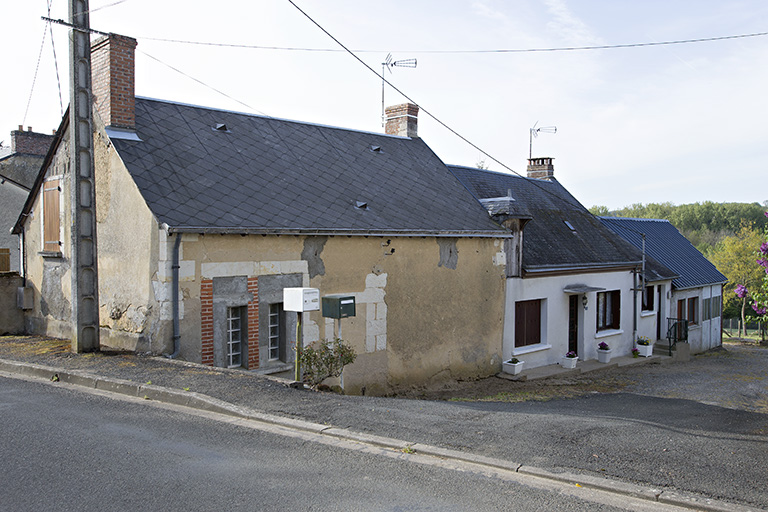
[{"x": 210, "y": 404}]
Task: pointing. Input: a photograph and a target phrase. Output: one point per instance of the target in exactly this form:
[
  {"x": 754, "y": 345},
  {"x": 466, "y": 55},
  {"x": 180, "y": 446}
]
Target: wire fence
[{"x": 753, "y": 329}]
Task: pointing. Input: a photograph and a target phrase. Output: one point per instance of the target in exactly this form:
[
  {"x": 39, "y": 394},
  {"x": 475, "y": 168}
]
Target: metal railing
[{"x": 677, "y": 330}]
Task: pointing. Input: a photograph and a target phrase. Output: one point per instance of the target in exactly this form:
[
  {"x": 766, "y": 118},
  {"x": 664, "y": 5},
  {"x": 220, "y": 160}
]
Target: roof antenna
[
  {"x": 388, "y": 64},
  {"x": 535, "y": 133}
]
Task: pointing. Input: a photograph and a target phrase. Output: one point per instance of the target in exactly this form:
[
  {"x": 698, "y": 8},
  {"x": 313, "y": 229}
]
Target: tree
[
  {"x": 600, "y": 211},
  {"x": 734, "y": 256},
  {"x": 759, "y": 294}
]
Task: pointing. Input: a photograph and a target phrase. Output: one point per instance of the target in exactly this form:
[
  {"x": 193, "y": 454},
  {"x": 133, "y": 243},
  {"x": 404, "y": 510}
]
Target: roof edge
[{"x": 341, "y": 232}]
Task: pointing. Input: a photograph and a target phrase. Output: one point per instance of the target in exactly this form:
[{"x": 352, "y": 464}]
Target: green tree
[
  {"x": 734, "y": 256},
  {"x": 600, "y": 211}
]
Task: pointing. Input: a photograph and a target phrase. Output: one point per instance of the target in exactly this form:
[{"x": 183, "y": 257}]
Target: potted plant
[
  {"x": 603, "y": 352},
  {"x": 644, "y": 346},
  {"x": 513, "y": 366},
  {"x": 569, "y": 361}
]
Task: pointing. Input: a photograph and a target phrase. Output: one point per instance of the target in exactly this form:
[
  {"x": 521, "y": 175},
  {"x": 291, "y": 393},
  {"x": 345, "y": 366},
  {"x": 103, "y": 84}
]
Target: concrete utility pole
[{"x": 85, "y": 283}]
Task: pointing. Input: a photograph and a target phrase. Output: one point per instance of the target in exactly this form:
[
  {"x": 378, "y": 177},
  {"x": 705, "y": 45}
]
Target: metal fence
[{"x": 753, "y": 328}]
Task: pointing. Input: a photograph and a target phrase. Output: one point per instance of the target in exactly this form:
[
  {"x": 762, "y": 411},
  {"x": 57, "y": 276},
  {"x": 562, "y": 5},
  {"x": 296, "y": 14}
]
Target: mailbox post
[{"x": 300, "y": 300}]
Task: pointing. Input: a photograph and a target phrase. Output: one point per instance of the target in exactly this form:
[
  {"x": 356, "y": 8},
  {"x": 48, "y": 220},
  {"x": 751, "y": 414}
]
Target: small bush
[{"x": 325, "y": 359}]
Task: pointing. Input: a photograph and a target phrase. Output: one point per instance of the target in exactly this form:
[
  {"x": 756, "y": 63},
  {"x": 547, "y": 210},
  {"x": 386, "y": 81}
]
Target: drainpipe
[
  {"x": 634, "y": 306},
  {"x": 175, "y": 297}
]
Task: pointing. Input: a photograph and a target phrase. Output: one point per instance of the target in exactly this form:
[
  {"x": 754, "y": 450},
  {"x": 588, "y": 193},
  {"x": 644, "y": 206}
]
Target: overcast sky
[{"x": 682, "y": 123}]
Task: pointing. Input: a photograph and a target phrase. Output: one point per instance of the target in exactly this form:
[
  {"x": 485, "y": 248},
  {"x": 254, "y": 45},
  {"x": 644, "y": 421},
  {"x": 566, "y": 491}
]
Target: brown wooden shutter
[
  {"x": 527, "y": 323},
  {"x": 51, "y": 221}
]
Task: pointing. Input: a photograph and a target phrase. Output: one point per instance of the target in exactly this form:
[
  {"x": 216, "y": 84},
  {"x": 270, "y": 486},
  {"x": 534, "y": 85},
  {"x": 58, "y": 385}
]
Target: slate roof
[
  {"x": 549, "y": 243},
  {"x": 261, "y": 174},
  {"x": 665, "y": 243}
]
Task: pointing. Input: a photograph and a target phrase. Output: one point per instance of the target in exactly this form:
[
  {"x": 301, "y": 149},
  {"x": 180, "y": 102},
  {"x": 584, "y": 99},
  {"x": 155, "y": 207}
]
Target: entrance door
[{"x": 573, "y": 323}]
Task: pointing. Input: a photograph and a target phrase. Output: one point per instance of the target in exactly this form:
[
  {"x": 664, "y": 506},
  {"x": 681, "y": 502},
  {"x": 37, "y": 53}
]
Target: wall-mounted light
[{"x": 584, "y": 301}]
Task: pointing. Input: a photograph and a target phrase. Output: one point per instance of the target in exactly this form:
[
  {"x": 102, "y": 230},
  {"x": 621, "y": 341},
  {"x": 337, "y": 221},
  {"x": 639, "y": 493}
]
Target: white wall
[{"x": 555, "y": 317}]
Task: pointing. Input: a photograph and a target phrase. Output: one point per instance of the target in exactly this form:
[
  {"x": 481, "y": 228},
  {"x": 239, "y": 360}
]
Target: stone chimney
[
  {"x": 29, "y": 142},
  {"x": 112, "y": 70},
  {"x": 541, "y": 168},
  {"x": 402, "y": 120}
]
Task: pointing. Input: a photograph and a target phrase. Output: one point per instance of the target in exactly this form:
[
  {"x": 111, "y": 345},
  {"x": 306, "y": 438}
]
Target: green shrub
[{"x": 325, "y": 359}]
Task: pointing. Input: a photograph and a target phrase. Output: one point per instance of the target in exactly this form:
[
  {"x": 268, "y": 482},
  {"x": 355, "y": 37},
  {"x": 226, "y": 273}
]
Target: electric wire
[
  {"x": 55, "y": 62},
  {"x": 453, "y": 52},
  {"x": 441, "y": 123},
  {"x": 34, "y": 79}
]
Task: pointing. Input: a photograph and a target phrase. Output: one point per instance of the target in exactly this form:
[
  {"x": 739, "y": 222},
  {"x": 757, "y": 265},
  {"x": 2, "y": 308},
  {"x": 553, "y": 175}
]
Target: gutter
[
  {"x": 175, "y": 298},
  {"x": 341, "y": 232}
]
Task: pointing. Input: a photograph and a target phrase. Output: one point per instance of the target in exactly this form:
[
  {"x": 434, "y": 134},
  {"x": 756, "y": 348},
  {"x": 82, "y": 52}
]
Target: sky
[{"x": 679, "y": 123}]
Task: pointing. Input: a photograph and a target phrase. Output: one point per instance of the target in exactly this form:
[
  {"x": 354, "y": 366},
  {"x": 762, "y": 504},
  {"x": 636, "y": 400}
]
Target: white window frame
[{"x": 235, "y": 337}]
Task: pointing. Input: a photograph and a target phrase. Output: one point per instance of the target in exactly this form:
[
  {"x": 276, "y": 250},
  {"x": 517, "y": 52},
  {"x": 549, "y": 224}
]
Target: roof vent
[
  {"x": 376, "y": 149},
  {"x": 570, "y": 226},
  {"x": 221, "y": 127},
  {"x": 361, "y": 205}
]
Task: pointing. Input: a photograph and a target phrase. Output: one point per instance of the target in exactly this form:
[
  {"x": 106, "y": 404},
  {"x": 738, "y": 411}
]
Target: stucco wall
[
  {"x": 705, "y": 334},
  {"x": 12, "y": 198},
  {"x": 128, "y": 254},
  {"x": 11, "y": 317},
  {"x": 424, "y": 315},
  {"x": 49, "y": 276},
  {"x": 555, "y": 316}
]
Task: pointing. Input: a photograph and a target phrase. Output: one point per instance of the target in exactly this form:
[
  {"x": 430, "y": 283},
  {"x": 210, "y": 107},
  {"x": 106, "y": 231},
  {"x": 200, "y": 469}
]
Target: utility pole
[{"x": 85, "y": 283}]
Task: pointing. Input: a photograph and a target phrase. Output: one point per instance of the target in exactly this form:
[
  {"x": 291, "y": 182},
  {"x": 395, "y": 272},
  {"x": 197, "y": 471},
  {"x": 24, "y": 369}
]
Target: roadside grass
[
  {"x": 543, "y": 391},
  {"x": 33, "y": 345}
]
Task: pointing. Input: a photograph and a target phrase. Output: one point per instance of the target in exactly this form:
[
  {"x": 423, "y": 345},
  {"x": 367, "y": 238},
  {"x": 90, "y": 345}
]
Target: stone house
[
  {"x": 204, "y": 216},
  {"x": 19, "y": 165}
]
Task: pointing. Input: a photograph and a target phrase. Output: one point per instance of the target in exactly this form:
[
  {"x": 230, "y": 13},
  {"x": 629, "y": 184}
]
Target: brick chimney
[
  {"x": 29, "y": 142},
  {"x": 402, "y": 120},
  {"x": 112, "y": 70},
  {"x": 541, "y": 168}
]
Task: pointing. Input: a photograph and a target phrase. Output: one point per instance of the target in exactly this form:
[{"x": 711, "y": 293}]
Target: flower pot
[
  {"x": 645, "y": 350},
  {"x": 604, "y": 356},
  {"x": 569, "y": 362},
  {"x": 512, "y": 368}
]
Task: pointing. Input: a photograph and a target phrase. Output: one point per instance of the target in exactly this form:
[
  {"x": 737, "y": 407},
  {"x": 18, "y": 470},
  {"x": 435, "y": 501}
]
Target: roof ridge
[{"x": 266, "y": 116}]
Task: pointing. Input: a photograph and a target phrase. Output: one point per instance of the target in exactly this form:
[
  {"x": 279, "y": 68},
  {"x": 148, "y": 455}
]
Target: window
[
  {"x": 51, "y": 192},
  {"x": 693, "y": 310},
  {"x": 527, "y": 322},
  {"x": 608, "y": 310},
  {"x": 716, "y": 306},
  {"x": 706, "y": 309},
  {"x": 275, "y": 313},
  {"x": 648, "y": 298},
  {"x": 235, "y": 336}
]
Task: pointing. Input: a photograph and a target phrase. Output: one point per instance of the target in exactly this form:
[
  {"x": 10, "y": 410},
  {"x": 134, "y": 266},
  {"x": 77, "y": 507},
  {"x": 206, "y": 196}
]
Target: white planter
[
  {"x": 645, "y": 350},
  {"x": 512, "y": 368},
  {"x": 604, "y": 356},
  {"x": 569, "y": 362}
]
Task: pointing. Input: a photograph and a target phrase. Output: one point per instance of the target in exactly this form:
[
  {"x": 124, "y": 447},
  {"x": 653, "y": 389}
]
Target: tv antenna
[
  {"x": 535, "y": 133},
  {"x": 388, "y": 64}
]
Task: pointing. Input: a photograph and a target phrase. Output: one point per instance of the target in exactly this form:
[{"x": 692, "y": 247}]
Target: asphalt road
[{"x": 67, "y": 449}]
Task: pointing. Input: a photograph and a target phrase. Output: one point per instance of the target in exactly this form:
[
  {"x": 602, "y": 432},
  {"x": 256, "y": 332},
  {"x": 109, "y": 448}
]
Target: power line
[
  {"x": 55, "y": 62},
  {"x": 441, "y": 123},
  {"x": 34, "y": 79},
  {"x": 498, "y": 50}
]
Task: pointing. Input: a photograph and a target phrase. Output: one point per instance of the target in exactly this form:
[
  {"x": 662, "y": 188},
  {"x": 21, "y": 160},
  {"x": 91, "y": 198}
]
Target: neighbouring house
[
  {"x": 576, "y": 283},
  {"x": 19, "y": 165},
  {"x": 696, "y": 294},
  {"x": 204, "y": 216}
]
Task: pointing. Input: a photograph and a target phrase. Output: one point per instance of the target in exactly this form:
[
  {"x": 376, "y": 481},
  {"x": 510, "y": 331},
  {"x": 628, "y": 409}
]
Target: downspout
[
  {"x": 175, "y": 297},
  {"x": 634, "y": 306}
]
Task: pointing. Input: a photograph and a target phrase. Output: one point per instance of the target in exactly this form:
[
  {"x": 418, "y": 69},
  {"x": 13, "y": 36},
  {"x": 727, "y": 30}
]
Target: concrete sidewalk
[{"x": 582, "y": 442}]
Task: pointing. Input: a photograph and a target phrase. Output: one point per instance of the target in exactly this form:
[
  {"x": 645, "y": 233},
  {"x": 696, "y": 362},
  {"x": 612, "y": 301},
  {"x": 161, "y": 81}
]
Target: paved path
[{"x": 663, "y": 444}]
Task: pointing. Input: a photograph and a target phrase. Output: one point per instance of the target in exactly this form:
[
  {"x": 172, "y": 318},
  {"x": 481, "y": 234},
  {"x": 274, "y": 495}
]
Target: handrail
[{"x": 677, "y": 330}]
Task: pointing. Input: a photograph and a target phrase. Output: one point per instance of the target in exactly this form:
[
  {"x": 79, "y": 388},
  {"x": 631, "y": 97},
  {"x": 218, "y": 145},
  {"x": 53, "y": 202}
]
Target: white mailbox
[{"x": 301, "y": 299}]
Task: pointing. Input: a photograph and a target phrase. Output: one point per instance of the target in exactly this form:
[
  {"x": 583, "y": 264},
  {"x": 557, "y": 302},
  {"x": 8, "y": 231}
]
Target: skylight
[{"x": 570, "y": 226}]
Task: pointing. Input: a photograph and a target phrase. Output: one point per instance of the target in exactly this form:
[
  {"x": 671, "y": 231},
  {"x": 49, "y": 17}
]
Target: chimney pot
[
  {"x": 541, "y": 168},
  {"x": 402, "y": 120}
]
